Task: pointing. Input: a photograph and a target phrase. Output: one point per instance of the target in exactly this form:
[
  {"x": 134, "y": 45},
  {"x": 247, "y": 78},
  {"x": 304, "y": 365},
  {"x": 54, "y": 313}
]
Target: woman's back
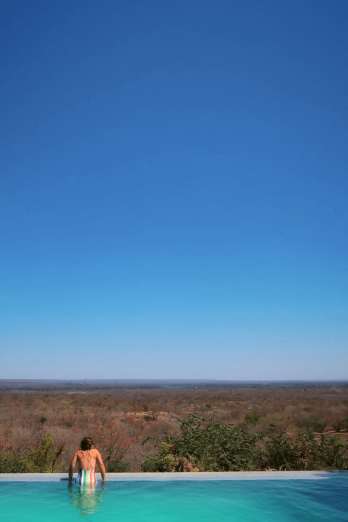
[{"x": 87, "y": 459}]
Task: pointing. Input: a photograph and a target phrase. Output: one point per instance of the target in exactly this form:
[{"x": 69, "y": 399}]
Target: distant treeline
[{"x": 152, "y": 384}]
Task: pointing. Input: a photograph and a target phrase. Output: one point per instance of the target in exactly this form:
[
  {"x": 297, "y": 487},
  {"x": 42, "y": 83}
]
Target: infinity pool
[{"x": 316, "y": 498}]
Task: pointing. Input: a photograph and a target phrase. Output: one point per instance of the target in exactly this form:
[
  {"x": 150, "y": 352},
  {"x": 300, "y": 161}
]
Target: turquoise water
[{"x": 223, "y": 501}]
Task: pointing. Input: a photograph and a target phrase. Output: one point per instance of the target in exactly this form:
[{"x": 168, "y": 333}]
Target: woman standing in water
[{"x": 87, "y": 459}]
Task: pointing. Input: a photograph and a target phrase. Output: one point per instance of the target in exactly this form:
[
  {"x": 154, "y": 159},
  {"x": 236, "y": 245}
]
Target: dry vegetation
[{"x": 119, "y": 420}]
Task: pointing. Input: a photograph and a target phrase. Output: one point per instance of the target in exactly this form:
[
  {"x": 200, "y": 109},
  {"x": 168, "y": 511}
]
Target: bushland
[{"x": 40, "y": 431}]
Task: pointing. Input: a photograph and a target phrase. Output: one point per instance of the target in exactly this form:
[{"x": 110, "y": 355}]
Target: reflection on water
[{"x": 86, "y": 500}]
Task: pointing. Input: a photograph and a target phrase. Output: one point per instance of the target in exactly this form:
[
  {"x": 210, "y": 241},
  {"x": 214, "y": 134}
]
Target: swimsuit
[{"x": 86, "y": 476}]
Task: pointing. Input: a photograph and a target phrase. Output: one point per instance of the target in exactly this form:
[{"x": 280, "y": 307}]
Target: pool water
[{"x": 224, "y": 501}]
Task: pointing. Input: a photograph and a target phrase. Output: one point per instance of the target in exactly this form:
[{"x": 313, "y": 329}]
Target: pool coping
[{"x": 165, "y": 477}]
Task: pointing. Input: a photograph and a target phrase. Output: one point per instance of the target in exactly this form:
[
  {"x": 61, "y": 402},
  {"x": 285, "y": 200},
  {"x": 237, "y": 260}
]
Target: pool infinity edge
[{"x": 200, "y": 476}]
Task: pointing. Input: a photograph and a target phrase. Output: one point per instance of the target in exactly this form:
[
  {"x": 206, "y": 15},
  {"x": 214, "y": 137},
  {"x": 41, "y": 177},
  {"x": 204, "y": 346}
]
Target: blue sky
[{"x": 174, "y": 187}]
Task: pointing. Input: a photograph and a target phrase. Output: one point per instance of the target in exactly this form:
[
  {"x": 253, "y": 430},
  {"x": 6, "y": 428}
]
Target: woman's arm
[
  {"x": 100, "y": 465},
  {"x": 72, "y": 466}
]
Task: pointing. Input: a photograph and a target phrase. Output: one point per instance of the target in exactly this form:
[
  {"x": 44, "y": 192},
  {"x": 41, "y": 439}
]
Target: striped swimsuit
[{"x": 86, "y": 477}]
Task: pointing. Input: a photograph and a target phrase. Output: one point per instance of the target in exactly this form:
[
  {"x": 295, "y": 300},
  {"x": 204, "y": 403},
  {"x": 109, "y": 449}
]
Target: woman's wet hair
[{"x": 86, "y": 443}]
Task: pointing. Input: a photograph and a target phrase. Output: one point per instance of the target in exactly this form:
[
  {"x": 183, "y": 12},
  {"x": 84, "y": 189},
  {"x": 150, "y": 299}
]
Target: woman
[{"x": 87, "y": 458}]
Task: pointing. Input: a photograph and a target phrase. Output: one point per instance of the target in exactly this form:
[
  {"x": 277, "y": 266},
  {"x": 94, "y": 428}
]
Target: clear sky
[{"x": 173, "y": 194}]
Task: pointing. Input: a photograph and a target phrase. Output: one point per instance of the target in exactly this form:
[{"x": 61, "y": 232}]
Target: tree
[{"x": 205, "y": 446}]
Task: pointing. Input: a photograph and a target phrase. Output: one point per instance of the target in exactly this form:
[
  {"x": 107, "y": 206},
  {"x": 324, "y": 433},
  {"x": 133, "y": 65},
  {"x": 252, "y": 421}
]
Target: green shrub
[
  {"x": 340, "y": 424},
  {"x": 44, "y": 459},
  {"x": 213, "y": 446},
  {"x": 252, "y": 416},
  {"x": 118, "y": 466},
  {"x": 303, "y": 452},
  {"x": 205, "y": 446},
  {"x": 150, "y": 465},
  {"x": 41, "y": 460},
  {"x": 10, "y": 464},
  {"x": 314, "y": 423}
]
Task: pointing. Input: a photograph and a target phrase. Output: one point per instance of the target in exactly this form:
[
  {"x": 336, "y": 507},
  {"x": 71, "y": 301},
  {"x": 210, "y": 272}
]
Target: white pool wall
[{"x": 202, "y": 476}]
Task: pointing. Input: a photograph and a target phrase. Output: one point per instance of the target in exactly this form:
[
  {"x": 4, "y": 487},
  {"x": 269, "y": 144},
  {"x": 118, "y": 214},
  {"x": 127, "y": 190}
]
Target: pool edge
[{"x": 201, "y": 476}]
